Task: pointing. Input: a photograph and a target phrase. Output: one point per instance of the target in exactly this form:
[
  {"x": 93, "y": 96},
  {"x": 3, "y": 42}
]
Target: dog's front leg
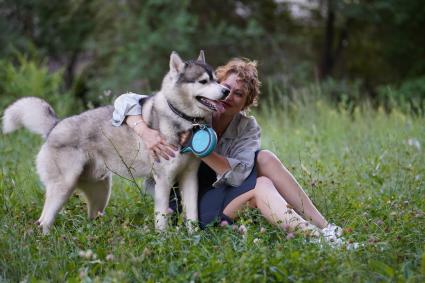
[
  {"x": 189, "y": 191},
  {"x": 162, "y": 197}
]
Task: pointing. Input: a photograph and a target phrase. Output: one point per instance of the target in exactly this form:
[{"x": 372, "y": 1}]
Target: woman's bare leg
[
  {"x": 272, "y": 206},
  {"x": 268, "y": 165}
]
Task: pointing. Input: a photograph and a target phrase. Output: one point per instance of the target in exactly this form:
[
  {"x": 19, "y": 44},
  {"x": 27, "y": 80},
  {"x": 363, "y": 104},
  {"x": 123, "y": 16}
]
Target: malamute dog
[{"x": 83, "y": 151}]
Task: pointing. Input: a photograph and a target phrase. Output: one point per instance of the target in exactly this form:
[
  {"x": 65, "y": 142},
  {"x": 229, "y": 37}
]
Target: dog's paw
[
  {"x": 192, "y": 226},
  {"x": 161, "y": 221},
  {"x": 43, "y": 226}
]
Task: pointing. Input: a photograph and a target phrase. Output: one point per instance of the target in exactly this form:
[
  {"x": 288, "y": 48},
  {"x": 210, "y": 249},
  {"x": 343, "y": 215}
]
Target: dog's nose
[{"x": 225, "y": 91}]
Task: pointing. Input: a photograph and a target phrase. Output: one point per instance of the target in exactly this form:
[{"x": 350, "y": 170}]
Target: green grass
[{"x": 358, "y": 168}]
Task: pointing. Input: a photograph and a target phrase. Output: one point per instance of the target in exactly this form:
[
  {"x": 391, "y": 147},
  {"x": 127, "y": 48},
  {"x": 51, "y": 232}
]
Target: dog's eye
[{"x": 203, "y": 81}]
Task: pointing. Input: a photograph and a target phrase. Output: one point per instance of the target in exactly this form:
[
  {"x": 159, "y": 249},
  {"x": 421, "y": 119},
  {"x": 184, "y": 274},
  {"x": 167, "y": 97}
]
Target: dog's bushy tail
[{"x": 32, "y": 113}]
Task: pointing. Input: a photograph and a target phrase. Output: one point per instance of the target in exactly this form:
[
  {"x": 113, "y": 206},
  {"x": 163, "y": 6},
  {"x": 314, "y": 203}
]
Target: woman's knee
[
  {"x": 263, "y": 183},
  {"x": 264, "y": 189},
  {"x": 264, "y": 157}
]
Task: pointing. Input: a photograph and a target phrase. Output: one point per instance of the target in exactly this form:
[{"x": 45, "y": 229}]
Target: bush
[{"x": 31, "y": 78}]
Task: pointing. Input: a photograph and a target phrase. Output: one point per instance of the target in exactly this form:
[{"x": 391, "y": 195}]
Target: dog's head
[{"x": 192, "y": 87}]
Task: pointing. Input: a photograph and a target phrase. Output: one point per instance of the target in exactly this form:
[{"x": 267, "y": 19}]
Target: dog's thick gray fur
[{"x": 83, "y": 151}]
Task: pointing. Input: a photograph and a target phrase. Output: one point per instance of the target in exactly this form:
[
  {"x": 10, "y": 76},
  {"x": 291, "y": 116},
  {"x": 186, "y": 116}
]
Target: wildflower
[
  {"x": 414, "y": 143},
  {"x": 256, "y": 240},
  {"x": 224, "y": 223},
  {"x": 243, "y": 229},
  {"x": 83, "y": 274},
  {"x": 87, "y": 254},
  {"x": 290, "y": 235},
  {"x": 110, "y": 257}
]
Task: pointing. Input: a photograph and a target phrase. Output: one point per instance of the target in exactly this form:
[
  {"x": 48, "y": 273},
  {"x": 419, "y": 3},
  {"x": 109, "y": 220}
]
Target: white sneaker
[
  {"x": 331, "y": 236},
  {"x": 335, "y": 243},
  {"x": 331, "y": 232},
  {"x": 327, "y": 241}
]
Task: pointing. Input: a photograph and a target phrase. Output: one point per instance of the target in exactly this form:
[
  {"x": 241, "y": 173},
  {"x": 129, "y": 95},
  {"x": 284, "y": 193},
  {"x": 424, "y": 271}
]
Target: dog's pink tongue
[{"x": 219, "y": 106}]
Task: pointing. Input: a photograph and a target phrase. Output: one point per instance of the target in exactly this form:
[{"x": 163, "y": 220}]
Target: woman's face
[{"x": 236, "y": 99}]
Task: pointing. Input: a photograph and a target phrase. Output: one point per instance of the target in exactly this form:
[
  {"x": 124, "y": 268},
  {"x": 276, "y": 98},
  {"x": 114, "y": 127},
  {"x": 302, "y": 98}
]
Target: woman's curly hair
[{"x": 247, "y": 73}]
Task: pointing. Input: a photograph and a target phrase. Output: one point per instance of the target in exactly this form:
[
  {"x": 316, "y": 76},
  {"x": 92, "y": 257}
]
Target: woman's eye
[{"x": 203, "y": 81}]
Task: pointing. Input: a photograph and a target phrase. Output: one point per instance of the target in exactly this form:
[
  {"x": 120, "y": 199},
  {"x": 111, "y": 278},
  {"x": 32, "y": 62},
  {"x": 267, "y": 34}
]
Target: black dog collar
[{"x": 194, "y": 120}]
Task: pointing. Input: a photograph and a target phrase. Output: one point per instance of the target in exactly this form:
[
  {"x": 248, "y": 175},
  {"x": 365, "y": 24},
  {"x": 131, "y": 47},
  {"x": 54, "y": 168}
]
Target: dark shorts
[{"x": 212, "y": 200}]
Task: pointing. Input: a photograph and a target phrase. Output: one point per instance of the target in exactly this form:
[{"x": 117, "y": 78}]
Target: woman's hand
[
  {"x": 152, "y": 139},
  {"x": 184, "y": 137}
]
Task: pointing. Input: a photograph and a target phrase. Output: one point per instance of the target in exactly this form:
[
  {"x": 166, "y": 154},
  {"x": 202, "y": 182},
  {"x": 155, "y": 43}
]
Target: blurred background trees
[{"x": 352, "y": 49}]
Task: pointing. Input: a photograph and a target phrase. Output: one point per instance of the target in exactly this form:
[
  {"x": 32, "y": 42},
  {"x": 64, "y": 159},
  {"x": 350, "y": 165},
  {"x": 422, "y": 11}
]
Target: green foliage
[
  {"x": 121, "y": 46},
  {"x": 409, "y": 96},
  {"x": 132, "y": 54},
  {"x": 364, "y": 170},
  {"x": 30, "y": 78},
  {"x": 347, "y": 94},
  {"x": 144, "y": 34}
]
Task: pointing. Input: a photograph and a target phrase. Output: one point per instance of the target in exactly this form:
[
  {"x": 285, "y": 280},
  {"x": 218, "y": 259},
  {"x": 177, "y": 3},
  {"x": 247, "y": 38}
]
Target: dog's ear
[
  {"x": 201, "y": 57},
  {"x": 176, "y": 63}
]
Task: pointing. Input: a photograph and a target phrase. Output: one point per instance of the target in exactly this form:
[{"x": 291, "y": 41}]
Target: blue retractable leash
[{"x": 202, "y": 142}]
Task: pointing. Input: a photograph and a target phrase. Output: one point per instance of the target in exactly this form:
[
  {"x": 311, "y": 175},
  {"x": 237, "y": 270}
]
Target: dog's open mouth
[{"x": 214, "y": 105}]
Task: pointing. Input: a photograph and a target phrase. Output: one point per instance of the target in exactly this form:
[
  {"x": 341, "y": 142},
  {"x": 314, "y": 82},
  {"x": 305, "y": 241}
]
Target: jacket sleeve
[
  {"x": 241, "y": 157},
  {"x": 125, "y": 105}
]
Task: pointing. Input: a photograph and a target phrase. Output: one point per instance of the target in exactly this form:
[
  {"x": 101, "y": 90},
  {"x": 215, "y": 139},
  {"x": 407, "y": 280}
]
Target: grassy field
[{"x": 364, "y": 169}]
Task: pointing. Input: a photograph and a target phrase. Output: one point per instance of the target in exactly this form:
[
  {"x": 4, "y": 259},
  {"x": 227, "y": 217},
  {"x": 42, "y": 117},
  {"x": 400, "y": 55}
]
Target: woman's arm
[
  {"x": 152, "y": 139},
  {"x": 217, "y": 162},
  {"x": 128, "y": 110},
  {"x": 238, "y": 161}
]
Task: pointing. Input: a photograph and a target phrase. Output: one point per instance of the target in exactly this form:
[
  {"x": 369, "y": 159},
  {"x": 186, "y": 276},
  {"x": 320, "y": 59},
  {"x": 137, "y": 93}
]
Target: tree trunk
[
  {"x": 70, "y": 69},
  {"x": 327, "y": 60}
]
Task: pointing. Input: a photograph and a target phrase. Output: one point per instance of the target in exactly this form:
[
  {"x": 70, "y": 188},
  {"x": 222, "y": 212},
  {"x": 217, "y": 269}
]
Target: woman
[{"x": 237, "y": 173}]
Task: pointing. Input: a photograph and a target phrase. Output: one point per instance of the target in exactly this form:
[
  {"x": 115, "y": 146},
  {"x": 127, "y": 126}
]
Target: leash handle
[{"x": 202, "y": 142}]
